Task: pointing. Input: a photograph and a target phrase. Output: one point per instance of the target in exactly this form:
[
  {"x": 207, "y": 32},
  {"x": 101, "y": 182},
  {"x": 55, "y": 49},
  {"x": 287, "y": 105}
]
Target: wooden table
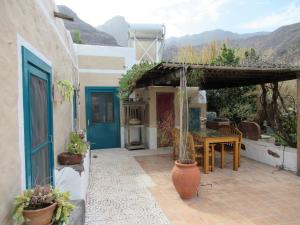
[{"x": 214, "y": 137}]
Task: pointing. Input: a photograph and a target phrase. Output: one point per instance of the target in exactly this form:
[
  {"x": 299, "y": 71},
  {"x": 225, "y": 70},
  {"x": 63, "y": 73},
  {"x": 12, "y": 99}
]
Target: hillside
[
  {"x": 89, "y": 34},
  {"x": 118, "y": 28},
  {"x": 208, "y": 36},
  {"x": 282, "y": 45}
]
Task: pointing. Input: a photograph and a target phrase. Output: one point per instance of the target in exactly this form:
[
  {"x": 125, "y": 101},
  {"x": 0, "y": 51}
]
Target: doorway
[
  {"x": 38, "y": 120},
  {"x": 103, "y": 117},
  {"x": 165, "y": 116}
]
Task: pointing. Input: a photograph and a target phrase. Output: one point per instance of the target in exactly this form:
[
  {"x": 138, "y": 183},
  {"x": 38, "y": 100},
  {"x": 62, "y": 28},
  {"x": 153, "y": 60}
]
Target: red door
[{"x": 165, "y": 118}]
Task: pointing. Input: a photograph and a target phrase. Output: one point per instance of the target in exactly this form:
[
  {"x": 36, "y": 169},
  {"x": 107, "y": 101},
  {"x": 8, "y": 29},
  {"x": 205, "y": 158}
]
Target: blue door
[
  {"x": 103, "y": 117},
  {"x": 37, "y": 104},
  {"x": 194, "y": 119}
]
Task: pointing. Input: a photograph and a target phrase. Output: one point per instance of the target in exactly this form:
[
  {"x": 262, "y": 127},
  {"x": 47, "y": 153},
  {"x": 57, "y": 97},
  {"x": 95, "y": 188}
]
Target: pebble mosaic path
[{"x": 118, "y": 193}]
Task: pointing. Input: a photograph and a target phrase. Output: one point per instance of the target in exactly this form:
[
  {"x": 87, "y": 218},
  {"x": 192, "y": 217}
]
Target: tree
[
  {"x": 226, "y": 57},
  {"x": 236, "y": 104}
]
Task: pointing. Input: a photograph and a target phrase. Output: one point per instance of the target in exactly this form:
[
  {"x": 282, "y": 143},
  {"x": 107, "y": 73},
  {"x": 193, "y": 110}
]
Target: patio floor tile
[{"x": 257, "y": 194}]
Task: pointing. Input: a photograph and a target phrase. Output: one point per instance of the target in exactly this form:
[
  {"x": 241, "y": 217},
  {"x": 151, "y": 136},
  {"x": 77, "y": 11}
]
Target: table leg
[
  {"x": 235, "y": 157},
  {"x": 206, "y": 157}
]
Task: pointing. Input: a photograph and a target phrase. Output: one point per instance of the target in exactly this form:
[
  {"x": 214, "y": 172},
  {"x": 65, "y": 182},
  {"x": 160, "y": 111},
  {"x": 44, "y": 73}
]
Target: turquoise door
[
  {"x": 37, "y": 105},
  {"x": 194, "y": 119},
  {"x": 103, "y": 117}
]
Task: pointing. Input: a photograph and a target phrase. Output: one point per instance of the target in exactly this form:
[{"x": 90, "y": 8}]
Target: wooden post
[{"x": 298, "y": 125}]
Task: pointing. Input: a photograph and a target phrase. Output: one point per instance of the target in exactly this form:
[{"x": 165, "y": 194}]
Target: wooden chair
[
  {"x": 195, "y": 150},
  {"x": 199, "y": 144},
  {"x": 194, "y": 147},
  {"x": 229, "y": 147}
]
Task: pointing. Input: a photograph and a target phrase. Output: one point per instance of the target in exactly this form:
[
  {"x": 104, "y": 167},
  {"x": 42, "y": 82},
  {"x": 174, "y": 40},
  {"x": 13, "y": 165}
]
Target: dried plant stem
[{"x": 184, "y": 110}]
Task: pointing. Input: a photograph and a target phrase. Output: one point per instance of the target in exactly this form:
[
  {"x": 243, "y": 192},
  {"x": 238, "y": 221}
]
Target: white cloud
[
  {"x": 179, "y": 16},
  {"x": 288, "y": 16}
]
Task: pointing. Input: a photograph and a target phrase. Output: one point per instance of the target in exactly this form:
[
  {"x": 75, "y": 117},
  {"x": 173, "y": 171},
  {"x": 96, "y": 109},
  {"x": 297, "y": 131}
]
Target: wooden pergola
[{"x": 221, "y": 76}]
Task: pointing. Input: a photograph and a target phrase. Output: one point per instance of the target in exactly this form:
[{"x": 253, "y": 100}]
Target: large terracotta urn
[{"x": 186, "y": 179}]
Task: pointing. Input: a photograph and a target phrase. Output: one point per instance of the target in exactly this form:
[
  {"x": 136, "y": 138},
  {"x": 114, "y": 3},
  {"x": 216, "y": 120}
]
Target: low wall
[
  {"x": 270, "y": 154},
  {"x": 74, "y": 178}
]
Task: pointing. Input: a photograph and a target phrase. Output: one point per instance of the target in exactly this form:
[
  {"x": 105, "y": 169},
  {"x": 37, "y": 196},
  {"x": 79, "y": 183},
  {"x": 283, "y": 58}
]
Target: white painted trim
[
  {"x": 102, "y": 71},
  {"x": 21, "y": 42},
  {"x": 40, "y": 3}
]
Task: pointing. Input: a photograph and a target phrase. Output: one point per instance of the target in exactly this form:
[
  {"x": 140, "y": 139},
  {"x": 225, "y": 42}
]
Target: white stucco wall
[{"x": 258, "y": 150}]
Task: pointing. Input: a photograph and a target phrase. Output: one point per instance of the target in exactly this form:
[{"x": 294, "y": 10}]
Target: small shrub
[{"x": 42, "y": 197}]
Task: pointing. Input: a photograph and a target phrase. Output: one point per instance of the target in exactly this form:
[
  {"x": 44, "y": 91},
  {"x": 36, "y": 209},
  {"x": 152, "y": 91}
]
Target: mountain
[
  {"x": 89, "y": 34},
  {"x": 283, "y": 44},
  {"x": 209, "y": 36},
  {"x": 118, "y": 28}
]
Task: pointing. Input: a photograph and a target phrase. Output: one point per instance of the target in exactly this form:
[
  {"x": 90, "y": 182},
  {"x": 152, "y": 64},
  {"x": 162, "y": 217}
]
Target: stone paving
[{"x": 119, "y": 191}]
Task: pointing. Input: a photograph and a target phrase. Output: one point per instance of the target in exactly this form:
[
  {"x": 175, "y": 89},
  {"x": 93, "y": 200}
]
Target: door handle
[{"x": 88, "y": 122}]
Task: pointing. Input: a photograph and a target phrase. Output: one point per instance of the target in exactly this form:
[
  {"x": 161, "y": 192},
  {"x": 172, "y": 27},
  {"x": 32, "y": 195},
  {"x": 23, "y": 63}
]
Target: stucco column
[{"x": 298, "y": 125}]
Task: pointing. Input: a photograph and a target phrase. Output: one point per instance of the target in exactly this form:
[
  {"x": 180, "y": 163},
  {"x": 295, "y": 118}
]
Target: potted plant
[
  {"x": 76, "y": 149},
  {"x": 66, "y": 89},
  {"x": 185, "y": 173},
  {"x": 43, "y": 205},
  {"x": 186, "y": 176}
]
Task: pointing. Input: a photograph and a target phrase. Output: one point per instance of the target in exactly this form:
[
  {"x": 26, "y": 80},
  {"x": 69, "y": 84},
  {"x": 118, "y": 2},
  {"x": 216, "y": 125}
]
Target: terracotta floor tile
[{"x": 254, "y": 195}]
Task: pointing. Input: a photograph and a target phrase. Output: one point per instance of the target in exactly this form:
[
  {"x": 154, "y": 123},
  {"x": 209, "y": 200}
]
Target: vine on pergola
[{"x": 127, "y": 83}]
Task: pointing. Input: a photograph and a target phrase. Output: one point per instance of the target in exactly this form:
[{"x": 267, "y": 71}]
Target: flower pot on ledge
[
  {"x": 66, "y": 158},
  {"x": 186, "y": 179},
  {"x": 39, "y": 216}
]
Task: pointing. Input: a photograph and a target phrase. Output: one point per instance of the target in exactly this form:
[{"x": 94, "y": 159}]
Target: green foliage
[
  {"x": 128, "y": 81},
  {"x": 41, "y": 197},
  {"x": 194, "y": 78},
  {"x": 21, "y": 203},
  {"x": 66, "y": 89},
  {"x": 77, "y": 145},
  {"x": 251, "y": 55},
  {"x": 286, "y": 130},
  {"x": 238, "y": 103},
  {"x": 76, "y": 36},
  {"x": 226, "y": 57},
  {"x": 64, "y": 207}
]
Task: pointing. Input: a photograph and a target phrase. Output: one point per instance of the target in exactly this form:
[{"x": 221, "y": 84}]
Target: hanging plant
[
  {"x": 128, "y": 81},
  {"x": 66, "y": 89}
]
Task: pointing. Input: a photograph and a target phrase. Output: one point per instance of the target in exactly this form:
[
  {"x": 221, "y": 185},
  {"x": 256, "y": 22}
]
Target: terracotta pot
[
  {"x": 40, "y": 216},
  {"x": 66, "y": 158},
  {"x": 186, "y": 179}
]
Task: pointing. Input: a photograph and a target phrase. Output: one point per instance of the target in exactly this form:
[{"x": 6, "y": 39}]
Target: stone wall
[{"x": 29, "y": 23}]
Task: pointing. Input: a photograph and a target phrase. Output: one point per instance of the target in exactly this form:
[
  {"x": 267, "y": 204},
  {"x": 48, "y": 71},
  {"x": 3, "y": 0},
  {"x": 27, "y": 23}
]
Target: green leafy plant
[
  {"x": 66, "y": 89},
  {"x": 77, "y": 145},
  {"x": 76, "y": 36},
  {"x": 42, "y": 197},
  {"x": 128, "y": 81}
]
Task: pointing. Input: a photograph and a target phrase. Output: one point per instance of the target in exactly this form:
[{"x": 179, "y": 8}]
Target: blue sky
[{"x": 192, "y": 16}]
